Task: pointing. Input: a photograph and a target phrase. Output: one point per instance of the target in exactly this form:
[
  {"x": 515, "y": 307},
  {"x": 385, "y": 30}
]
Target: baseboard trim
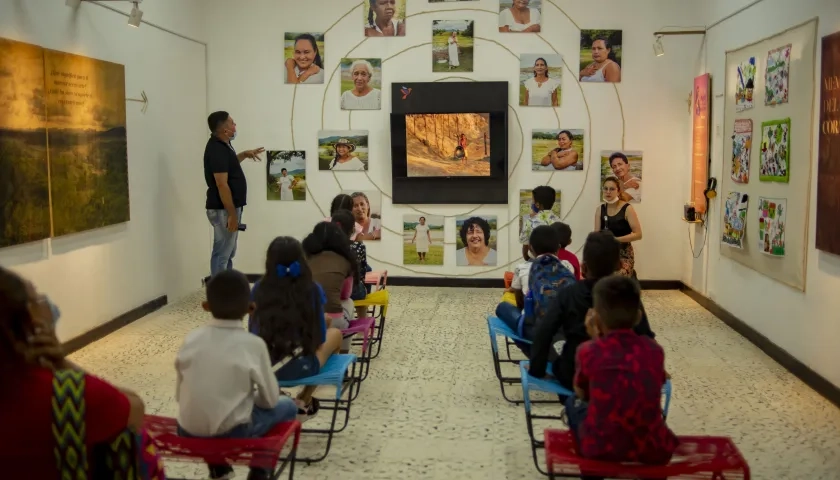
[
  {"x": 808, "y": 376},
  {"x": 112, "y": 326}
]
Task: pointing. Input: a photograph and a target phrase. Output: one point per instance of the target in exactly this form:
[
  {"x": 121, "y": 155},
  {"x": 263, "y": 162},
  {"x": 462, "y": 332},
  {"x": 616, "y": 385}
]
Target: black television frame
[{"x": 450, "y": 97}]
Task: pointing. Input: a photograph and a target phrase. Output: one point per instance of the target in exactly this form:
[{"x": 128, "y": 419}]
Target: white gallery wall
[
  {"x": 97, "y": 275},
  {"x": 246, "y": 78},
  {"x": 805, "y": 324}
]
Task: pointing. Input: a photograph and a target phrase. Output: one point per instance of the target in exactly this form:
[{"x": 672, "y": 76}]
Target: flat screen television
[{"x": 449, "y": 142}]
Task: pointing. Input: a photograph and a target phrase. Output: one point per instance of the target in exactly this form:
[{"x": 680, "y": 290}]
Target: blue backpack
[{"x": 547, "y": 276}]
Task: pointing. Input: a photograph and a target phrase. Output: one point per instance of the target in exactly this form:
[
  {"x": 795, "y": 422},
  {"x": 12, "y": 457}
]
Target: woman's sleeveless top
[{"x": 617, "y": 224}]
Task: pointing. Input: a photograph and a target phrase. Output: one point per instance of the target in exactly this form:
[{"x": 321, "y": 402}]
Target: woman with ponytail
[
  {"x": 289, "y": 317},
  {"x": 381, "y": 21}
]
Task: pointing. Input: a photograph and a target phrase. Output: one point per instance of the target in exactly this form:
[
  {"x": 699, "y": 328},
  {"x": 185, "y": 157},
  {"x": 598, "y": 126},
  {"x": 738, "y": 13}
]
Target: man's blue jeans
[{"x": 224, "y": 242}]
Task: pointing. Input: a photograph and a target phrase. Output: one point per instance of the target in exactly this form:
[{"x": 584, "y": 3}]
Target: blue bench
[{"x": 496, "y": 326}]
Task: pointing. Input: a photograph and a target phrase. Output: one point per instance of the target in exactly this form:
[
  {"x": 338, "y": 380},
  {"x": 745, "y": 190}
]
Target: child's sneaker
[
  {"x": 221, "y": 472},
  {"x": 306, "y": 412}
]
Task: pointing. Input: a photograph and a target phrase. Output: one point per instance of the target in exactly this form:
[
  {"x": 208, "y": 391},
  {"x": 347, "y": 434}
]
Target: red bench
[
  {"x": 696, "y": 458},
  {"x": 254, "y": 452}
]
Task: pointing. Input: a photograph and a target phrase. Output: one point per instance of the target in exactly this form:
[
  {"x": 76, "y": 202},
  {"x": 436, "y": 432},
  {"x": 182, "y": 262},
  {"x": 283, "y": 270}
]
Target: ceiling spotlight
[
  {"x": 658, "y": 48},
  {"x": 73, "y": 3},
  {"x": 136, "y": 16}
]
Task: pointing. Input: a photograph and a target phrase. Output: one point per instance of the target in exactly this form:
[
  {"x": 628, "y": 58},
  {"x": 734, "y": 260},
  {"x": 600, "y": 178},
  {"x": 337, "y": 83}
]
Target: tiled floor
[{"x": 431, "y": 407}]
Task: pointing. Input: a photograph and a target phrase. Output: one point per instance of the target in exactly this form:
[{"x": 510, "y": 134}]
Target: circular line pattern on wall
[{"x": 510, "y": 106}]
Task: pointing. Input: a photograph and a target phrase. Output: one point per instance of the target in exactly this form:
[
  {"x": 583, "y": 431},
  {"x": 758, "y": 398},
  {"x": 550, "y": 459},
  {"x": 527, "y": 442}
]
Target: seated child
[
  {"x": 342, "y": 201},
  {"x": 289, "y": 317},
  {"x": 568, "y": 258},
  {"x": 344, "y": 219},
  {"x": 515, "y": 294},
  {"x": 566, "y": 315},
  {"x": 616, "y": 414},
  {"x": 543, "y": 200},
  {"x": 547, "y": 275},
  {"x": 218, "y": 367}
]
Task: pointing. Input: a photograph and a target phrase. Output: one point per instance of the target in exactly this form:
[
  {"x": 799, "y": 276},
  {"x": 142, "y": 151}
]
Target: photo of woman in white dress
[
  {"x": 422, "y": 239},
  {"x": 520, "y": 16},
  {"x": 287, "y": 185},
  {"x": 364, "y": 78},
  {"x": 541, "y": 83},
  {"x": 453, "y": 50}
]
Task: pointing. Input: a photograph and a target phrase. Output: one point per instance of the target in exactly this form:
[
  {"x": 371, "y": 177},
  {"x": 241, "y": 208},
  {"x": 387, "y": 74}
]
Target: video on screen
[{"x": 448, "y": 144}]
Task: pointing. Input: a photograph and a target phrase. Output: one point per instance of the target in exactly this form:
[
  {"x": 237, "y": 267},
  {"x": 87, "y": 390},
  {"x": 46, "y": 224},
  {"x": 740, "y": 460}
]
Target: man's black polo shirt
[{"x": 219, "y": 157}]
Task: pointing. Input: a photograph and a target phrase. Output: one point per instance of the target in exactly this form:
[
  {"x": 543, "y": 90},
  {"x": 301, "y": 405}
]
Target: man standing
[{"x": 227, "y": 189}]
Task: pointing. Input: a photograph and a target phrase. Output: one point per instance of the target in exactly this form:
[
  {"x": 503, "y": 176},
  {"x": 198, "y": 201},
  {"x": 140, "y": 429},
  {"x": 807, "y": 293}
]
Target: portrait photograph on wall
[
  {"x": 777, "y": 76},
  {"x": 745, "y": 85},
  {"x": 286, "y": 175},
  {"x": 423, "y": 238},
  {"x": 735, "y": 219},
  {"x": 741, "y": 149},
  {"x": 626, "y": 166},
  {"x": 448, "y": 144},
  {"x": 452, "y": 45},
  {"x": 304, "y": 57},
  {"x": 475, "y": 236},
  {"x": 384, "y": 18},
  {"x": 557, "y": 150},
  {"x": 343, "y": 150},
  {"x": 526, "y": 200},
  {"x": 771, "y": 225},
  {"x": 88, "y": 143},
  {"x": 520, "y": 16},
  {"x": 367, "y": 210},
  {"x": 775, "y": 151},
  {"x": 361, "y": 83},
  {"x": 600, "y": 56},
  {"x": 540, "y": 79},
  {"x": 25, "y": 212}
]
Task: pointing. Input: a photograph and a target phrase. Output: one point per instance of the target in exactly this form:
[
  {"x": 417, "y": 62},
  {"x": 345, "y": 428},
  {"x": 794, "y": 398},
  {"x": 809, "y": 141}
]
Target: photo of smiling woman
[
  {"x": 600, "y": 56},
  {"x": 626, "y": 166},
  {"x": 520, "y": 16},
  {"x": 304, "y": 57},
  {"x": 541, "y": 80},
  {"x": 343, "y": 150},
  {"x": 476, "y": 241},
  {"x": 384, "y": 18},
  {"x": 361, "y": 81}
]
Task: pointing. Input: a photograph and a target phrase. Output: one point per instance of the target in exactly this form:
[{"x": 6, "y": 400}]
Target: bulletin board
[{"x": 781, "y": 107}]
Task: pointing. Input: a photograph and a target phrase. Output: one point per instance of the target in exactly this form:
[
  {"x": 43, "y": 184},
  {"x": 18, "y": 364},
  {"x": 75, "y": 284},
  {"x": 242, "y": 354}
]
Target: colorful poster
[
  {"x": 286, "y": 175},
  {"x": 777, "y": 76},
  {"x": 735, "y": 219},
  {"x": 745, "y": 85},
  {"x": 775, "y": 151},
  {"x": 700, "y": 142},
  {"x": 771, "y": 225},
  {"x": 828, "y": 177},
  {"x": 423, "y": 239},
  {"x": 476, "y": 239},
  {"x": 741, "y": 148}
]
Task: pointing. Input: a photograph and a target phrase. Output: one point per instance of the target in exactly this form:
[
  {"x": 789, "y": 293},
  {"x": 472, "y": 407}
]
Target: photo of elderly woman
[
  {"x": 600, "y": 56},
  {"x": 384, "y": 18},
  {"x": 540, "y": 79},
  {"x": 423, "y": 237},
  {"x": 520, "y": 16},
  {"x": 361, "y": 83},
  {"x": 452, "y": 45},
  {"x": 343, "y": 150},
  {"x": 367, "y": 211},
  {"x": 553, "y": 150},
  {"x": 304, "y": 54},
  {"x": 286, "y": 175},
  {"x": 627, "y": 167},
  {"x": 476, "y": 239}
]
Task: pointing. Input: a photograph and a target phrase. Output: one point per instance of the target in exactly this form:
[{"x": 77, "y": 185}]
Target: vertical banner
[
  {"x": 700, "y": 142},
  {"x": 828, "y": 177}
]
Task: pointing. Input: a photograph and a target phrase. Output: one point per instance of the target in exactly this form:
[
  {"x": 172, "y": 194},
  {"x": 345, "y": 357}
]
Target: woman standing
[
  {"x": 343, "y": 159},
  {"x": 287, "y": 185},
  {"x": 519, "y": 18},
  {"x": 631, "y": 186},
  {"x": 564, "y": 157},
  {"x": 541, "y": 90},
  {"x": 362, "y": 96},
  {"x": 619, "y": 217},
  {"x": 603, "y": 68},
  {"x": 306, "y": 65},
  {"x": 371, "y": 227},
  {"x": 381, "y": 21},
  {"x": 453, "y": 51},
  {"x": 422, "y": 239}
]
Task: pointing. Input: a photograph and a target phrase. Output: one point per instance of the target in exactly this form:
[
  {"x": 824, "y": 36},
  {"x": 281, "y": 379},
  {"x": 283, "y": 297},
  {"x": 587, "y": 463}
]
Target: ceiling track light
[
  {"x": 659, "y": 48},
  {"x": 136, "y": 16}
]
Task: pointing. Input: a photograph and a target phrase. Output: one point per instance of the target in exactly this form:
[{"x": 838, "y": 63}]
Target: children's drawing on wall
[
  {"x": 343, "y": 150},
  {"x": 476, "y": 240},
  {"x": 771, "y": 225},
  {"x": 735, "y": 219},
  {"x": 423, "y": 238},
  {"x": 540, "y": 79},
  {"x": 775, "y": 151},
  {"x": 745, "y": 85},
  {"x": 557, "y": 150},
  {"x": 384, "y": 18},
  {"x": 286, "y": 175},
  {"x": 777, "y": 76},
  {"x": 627, "y": 167},
  {"x": 741, "y": 147},
  {"x": 304, "y": 54}
]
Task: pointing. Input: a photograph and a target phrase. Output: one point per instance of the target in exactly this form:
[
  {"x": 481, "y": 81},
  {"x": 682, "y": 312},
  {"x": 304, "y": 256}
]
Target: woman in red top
[{"x": 29, "y": 356}]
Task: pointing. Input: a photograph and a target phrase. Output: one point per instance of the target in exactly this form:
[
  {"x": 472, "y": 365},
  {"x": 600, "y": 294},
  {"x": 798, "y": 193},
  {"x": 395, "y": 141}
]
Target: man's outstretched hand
[{"x": 254, "y": 154}]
